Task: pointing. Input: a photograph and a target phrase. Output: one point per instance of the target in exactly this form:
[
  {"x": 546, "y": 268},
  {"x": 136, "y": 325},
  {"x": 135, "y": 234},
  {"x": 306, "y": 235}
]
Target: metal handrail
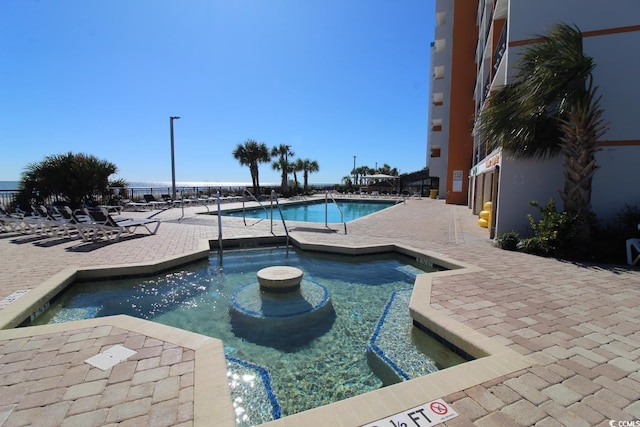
[
  {"x": 284, "y": 224},
  {"x": 273, "y": 196},
  {"x": 219, "y": 221},
  {"x": 251, "y": 196},
  {"x": 326, "y": 213}
]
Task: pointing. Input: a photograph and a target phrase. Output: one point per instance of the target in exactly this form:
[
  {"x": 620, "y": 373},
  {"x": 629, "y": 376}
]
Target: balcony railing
[{"x": 500, "y": 50}]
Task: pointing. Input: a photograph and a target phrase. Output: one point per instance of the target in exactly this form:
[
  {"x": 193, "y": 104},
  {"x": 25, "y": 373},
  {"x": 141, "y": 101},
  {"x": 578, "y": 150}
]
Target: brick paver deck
[{"x": 579, "y": 324}]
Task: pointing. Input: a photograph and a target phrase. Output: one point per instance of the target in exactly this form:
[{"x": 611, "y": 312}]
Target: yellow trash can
[{"x": 433, "y": 193}]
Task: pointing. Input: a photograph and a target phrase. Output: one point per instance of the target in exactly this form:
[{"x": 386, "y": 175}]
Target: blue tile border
[
  {"x": 276, "y": 412},
  {"x": 373, "y": 347},
  {"x": 241, "y": 309}
]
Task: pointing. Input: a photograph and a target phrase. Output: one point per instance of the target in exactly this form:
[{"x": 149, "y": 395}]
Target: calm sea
[{"x": 13, "y": 185}]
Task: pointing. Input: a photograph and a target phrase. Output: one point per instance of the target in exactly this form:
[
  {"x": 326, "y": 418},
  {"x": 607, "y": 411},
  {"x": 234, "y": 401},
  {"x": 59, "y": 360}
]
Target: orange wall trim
[
  {"x": 461, "y": 105},
  {"x": 594, "y": 33}
]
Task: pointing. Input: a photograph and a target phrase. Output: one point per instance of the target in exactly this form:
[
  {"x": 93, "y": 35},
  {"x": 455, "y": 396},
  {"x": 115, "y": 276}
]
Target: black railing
[
  {"x": 8, "y": 197},
  {"x": 14, "y": 198},
  {"x": 500, "y": 50}
]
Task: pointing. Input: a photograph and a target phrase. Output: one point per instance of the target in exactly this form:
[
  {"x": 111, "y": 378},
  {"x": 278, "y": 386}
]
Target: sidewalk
[{"x": 580, "y": 324}]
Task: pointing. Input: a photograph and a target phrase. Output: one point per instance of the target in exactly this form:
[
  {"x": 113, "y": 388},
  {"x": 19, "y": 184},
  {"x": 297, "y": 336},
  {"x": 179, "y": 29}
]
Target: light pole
[
  {"x": 173, "y": 159},
  {"x": 354, "y": 171}
]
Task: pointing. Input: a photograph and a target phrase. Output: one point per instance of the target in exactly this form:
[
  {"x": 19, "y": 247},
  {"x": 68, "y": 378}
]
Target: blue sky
[{"x": 331, "y": 78}]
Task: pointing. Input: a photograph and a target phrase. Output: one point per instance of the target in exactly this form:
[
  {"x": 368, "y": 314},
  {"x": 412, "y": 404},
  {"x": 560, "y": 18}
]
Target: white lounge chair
[
  {"x": 10, "y": 221},
  {"x": 105, "y": 225},
  {"x": 155, "y": 203},
  {"x": 76, "y": 221}
]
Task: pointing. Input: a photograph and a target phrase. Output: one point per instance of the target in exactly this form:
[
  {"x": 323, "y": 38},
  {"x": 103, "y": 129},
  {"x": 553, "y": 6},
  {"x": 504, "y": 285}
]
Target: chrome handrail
[
  {"x": 251, "y": 196},
  {"x": 284, "y": 224},
  {"x": 219, "y": 221},
  {"x": 326, "y": 214}
]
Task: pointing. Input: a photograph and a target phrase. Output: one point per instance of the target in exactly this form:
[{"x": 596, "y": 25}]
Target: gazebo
[{"x": 379, "y": 182}]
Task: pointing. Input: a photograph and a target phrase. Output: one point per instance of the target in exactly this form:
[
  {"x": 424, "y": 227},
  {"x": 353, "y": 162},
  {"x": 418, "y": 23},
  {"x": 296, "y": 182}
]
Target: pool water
[
  {"x": 316, "y": 211},
  {"x": 315, "y": 367}
]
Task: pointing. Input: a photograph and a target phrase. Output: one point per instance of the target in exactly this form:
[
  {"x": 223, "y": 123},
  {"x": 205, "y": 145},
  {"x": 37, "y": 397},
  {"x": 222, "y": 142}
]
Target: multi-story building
[{"x": 476, "y": 47}]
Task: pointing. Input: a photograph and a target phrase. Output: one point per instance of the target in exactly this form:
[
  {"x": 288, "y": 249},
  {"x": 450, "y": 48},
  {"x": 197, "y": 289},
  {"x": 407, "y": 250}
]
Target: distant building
[{"x": 475, "y": 50}]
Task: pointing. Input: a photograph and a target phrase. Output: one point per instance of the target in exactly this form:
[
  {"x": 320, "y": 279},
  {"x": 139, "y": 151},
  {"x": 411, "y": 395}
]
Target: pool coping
[
  {"x": 210, "y": 373},
  {"x": 493, "y": 359}
]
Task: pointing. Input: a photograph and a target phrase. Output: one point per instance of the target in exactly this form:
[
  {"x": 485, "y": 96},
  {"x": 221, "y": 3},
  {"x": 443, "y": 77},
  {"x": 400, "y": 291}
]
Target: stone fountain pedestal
[
  {"x": 280, "y": 278},
  {"x": 282, "y": 309}
]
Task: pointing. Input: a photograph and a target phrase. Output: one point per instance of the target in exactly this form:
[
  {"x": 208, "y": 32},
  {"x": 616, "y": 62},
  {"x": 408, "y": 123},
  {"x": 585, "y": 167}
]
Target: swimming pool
[
  {"x": 326, "y": 364},
  {"x": 316, "y": 211}
]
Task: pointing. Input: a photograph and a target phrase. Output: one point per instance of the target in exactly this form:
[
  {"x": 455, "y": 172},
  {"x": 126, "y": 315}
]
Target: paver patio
[{"x": 579, "y": 324}]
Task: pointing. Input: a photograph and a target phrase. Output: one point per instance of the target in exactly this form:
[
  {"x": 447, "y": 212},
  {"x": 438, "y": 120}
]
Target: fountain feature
[
  {"x": 279, "y": 278},
  {"x": 282, "y": 310}
]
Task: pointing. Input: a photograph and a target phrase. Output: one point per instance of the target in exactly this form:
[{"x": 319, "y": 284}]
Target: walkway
[{"x": 579, "y": 324}]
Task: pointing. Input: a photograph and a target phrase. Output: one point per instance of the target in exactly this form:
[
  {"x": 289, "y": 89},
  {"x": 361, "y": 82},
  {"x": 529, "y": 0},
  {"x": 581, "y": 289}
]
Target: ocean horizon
[{"x": 13, "y": 185}]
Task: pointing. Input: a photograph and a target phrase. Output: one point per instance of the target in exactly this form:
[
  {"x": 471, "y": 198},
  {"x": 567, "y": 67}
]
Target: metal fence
[{"x": 13, "y": 198}]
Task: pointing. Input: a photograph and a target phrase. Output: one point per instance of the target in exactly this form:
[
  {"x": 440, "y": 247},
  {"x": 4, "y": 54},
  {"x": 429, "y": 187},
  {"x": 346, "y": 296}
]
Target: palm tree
[
  {"x": 282, "y": 152},
  {"x": 308, "y": 166},
  {"x": 347, "y": 181},
  {"x": 74, "y": 178},
  {"x": 551, "y": 108},
  {"x": 251, "y": 154},
  {"x": 387, "y": 170},
  {"x": 359, "y": 172},
  {"x": 296, "y": 167}
]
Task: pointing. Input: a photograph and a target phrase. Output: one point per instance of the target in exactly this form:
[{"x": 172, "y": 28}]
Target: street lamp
[
  {"x": 173, "y": 159},
  {"x": 354, "y": 170}
]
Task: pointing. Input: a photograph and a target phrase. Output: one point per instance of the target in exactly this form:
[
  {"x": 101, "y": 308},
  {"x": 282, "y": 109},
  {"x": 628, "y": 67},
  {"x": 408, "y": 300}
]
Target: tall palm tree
[
  {"x": 388, "y": 170},
  {"x": 308, "y": 166},
  {"x": 282, "y": 152},
  {"x": 251, "y": 154},
  {"x": 551, "y": 108},
  {"x": 359, "y": 172},
  {"x": 297, "y": 166}
]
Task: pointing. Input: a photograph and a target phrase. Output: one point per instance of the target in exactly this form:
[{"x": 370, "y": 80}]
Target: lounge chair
[
  {"x": 631, "y": 245},
  {"x": 10, "y": 221},
  {"x": 104, "y": 224},
  {"x": 76, "y": 220},
  {"x": 39, "y": 220},
  {"x": 45, "y": 221},
  {"x": 155, "y": 203}
]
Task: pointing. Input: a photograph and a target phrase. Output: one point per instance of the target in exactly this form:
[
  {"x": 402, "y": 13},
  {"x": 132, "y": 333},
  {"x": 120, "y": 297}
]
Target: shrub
[
  {"x": 554, "y": 233},
  {"x": 608, "y": 243},
  {"x": 508, "y": 241}
]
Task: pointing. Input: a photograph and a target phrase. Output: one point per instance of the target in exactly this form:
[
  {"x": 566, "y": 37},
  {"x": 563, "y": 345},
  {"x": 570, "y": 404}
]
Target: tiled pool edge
[
  {"x": 495, "y": 360},
  {"x": 210, "y": 371},
  {"x": 22, "y": 308}
]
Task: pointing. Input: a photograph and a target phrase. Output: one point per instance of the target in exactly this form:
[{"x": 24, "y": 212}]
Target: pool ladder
[
  {"x": 326, "y": 209},
  {"x": 273, "y": 197},
  {"x": 244, "y": 219}
]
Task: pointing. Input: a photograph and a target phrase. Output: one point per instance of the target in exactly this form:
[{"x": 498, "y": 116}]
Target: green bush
[
  {"x": 532, "y": 245},
  {"x": 554, "y": 233},
  {"x": 508, "y": 241}
]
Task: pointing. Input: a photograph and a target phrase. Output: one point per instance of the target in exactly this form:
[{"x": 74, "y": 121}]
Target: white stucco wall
[
  {"x": 531, "y": 18},
  {"x": 522, "y": 181},
  {"x": 438, "y": 165},
  {"x": 616, "y": 75}
]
